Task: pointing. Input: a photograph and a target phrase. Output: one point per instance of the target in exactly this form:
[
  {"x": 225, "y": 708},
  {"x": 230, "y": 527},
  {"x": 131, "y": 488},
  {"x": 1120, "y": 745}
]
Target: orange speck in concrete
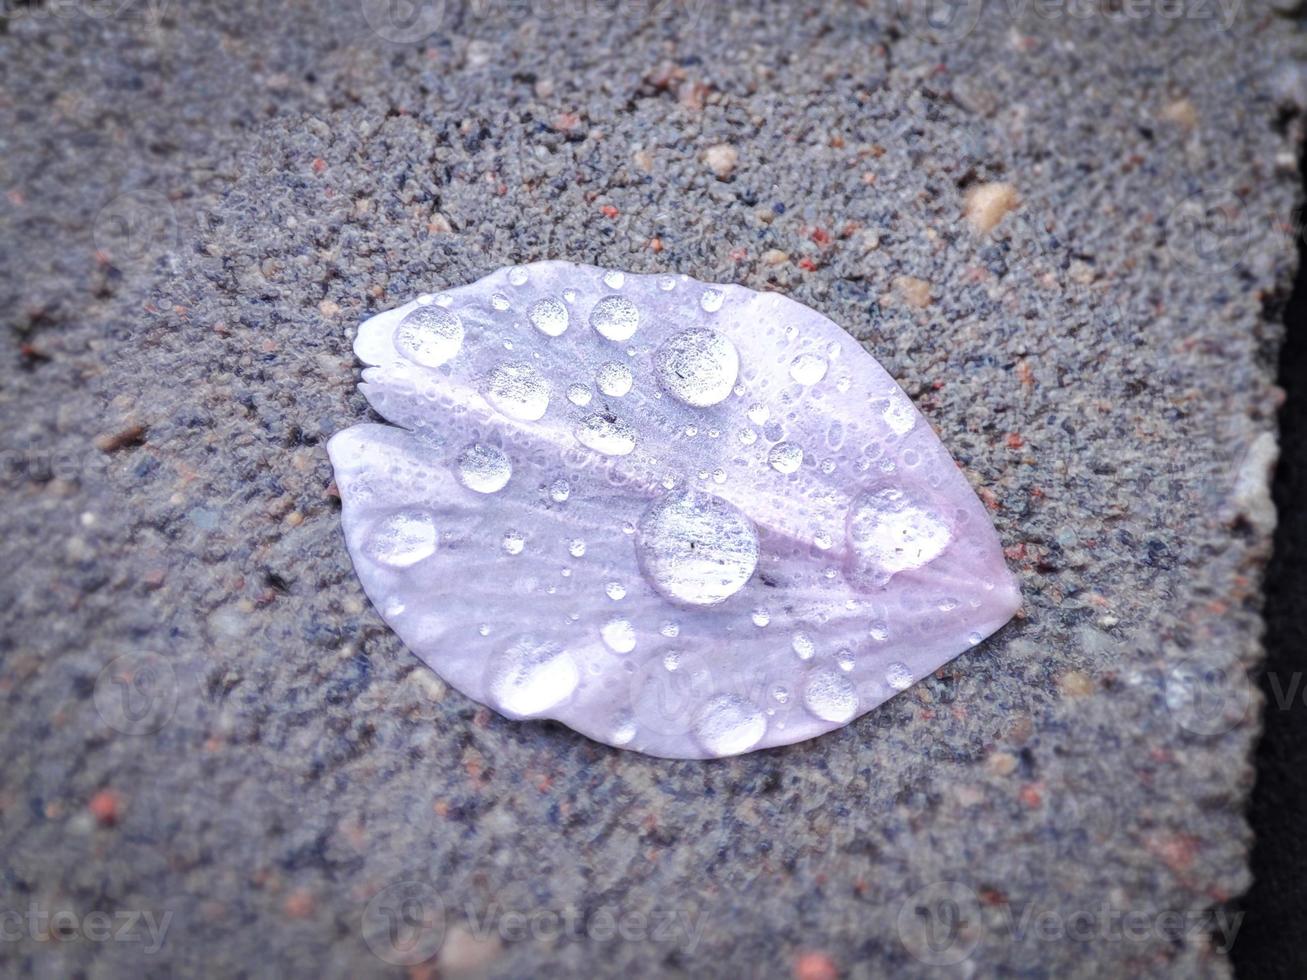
[
  {"x": 106, "y": 806},
  {"x": 319, "y": 165},
  {"x": 807, "y": 265},
  {"x": 298, "y": 904},
  {"x": 815, "y": 966},
  {"x": 656, "y": 244},
  {"x": 1031, "y": 795},
  {"x": 609, "y": 211},
  {"x": 1014, "y": 440}
]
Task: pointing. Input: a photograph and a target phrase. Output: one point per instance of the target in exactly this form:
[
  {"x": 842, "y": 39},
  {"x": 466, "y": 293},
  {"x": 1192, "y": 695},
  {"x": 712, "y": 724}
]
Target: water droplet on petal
[
  {"x": 888, "y": 533},
  {"x": 803, "y": 646},
  {"x": 514, "y": 542},
  {"x": 549, "y": 316},
  {"x": 429, "y": 336},
  {"x": 729, "y": 724},
  {"x": 403, "y": 539},
  {"x": 696, "y": 548},
  {"x": 615, "y": 590},
  {"x": 808, "y": 369},
  {"x": 898, "y": 676},
  {"x": 785, "y": 457},
  {"x": 697, "y": 366},
  {"x": 830, "y": 696},
  {"x": 614, "y": 380},
  {"x": 579, "y": 395},
  {"x": 518, "y": 391},
  {"x": 605, "y": 434},
  {"x": 518, "y": 276},
  {"x": 614, "y": 278},
  {"x": 761, "y": 617},
  {"x": 619, "y": 634},
  {"x": 560, "y": 490},
  {"x": 576, "y": 548},
  {"x": 615, "y": 317},
  {"x": 530, "y": 676},
  {"x": 483, "y": 468},
  {"x": 711, "y": 300}
]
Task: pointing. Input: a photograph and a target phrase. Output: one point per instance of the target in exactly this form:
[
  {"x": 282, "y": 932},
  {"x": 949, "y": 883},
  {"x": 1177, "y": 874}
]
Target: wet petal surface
[{"x": 692, "y": 520}]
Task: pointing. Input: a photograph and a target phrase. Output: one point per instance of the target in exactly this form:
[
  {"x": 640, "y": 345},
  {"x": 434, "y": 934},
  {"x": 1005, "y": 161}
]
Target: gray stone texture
[{"x": 201, "y": 716}]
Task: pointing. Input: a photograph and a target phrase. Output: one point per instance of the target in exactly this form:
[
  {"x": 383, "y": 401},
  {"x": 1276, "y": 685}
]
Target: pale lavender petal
[{"x": 687, "y": 519}]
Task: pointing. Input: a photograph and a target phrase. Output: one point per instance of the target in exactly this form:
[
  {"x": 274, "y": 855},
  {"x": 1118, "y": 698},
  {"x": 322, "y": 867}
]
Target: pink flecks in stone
[{"x": 687, "y": 519}]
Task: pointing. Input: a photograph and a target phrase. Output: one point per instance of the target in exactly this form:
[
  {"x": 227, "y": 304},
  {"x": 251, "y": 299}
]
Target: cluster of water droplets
[{"x": 846, "y": 515}]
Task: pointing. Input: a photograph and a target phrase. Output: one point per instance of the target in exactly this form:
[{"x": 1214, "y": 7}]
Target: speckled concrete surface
[{"x": 217, "y": 760}]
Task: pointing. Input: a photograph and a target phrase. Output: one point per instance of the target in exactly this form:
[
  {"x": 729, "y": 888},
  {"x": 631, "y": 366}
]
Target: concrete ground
[{"x": 216, "y": 758}]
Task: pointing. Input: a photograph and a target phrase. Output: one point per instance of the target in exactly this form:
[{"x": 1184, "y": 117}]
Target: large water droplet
[
  {"x": 403, "y": 539},
  {"x": 430, "y": 336},
  {"x": 615, "y": 317},
  {"x": 898, "y": 676},
  {"x": 729, "y": 724},
  {"x": 549, "y": 316},
  {"x": 808, "y": 369},
  {"x": 530, "y": 676},
  {"x": 605, "y": 434},
  {"x": 697, "y": 366},
  {"x": 888, "y": 532},
  {"x": 785, "y": 457},
  {"x": 830, "y": 696},
  {"x": 696, "y": 548},
  {"x": 614, "y": 380},
  {"x": 518, "y": 391},
  {"x": 483, "y": 468}
]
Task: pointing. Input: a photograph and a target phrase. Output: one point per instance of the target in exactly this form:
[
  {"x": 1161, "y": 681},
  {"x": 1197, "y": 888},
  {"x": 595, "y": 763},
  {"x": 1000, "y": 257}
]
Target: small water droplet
[
  {"x": 514, "y": 542},
  {"x": 808, "y": 369},
  {"x": 615, "y": 317},
  {"x": 615, "y": 590},
  {"x": 530, "y": 676},
  {"x": 403, "y": 539},
  {"x": 548, "y": 316},
  {"x": 785, "y": 457},
  {"x": 803, "y": 646},
  {"x": 898, "y": 676},
  {"x": 670, "y": 629},
  {"x": 697, "y": 366},
  {"x": 759, "y": 414},
  {"x": 671, "y": 660},
  {"x": 696, "y": 548},
  {"x": 429, "y": 336},
  {"x": 830, "y": 696},
  {"x": 576, "y": 548},
  {"x": 560, "y": 490},
  {"x": 888, "y": 533},
  {"x": 781, "y": 694},
  {"x": 711, "y": 300},
  {"x": 614, "y": 279},
  {"x": 519, "y": 391},
  {"x": 619, "y": 634},
  {"x": 613, "y": 379},
  {"x": 605, "y": 434},
  {"x": 500, "y": 302},
  {"x": 483, "y": 468},
  {"x": 579, "y": 394},
  {"x": 518, "y": 275},
  {"x": 844, "y": 658},
  {"x": 761, "y": 617},
  {"x": 729, "y": 724}
]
